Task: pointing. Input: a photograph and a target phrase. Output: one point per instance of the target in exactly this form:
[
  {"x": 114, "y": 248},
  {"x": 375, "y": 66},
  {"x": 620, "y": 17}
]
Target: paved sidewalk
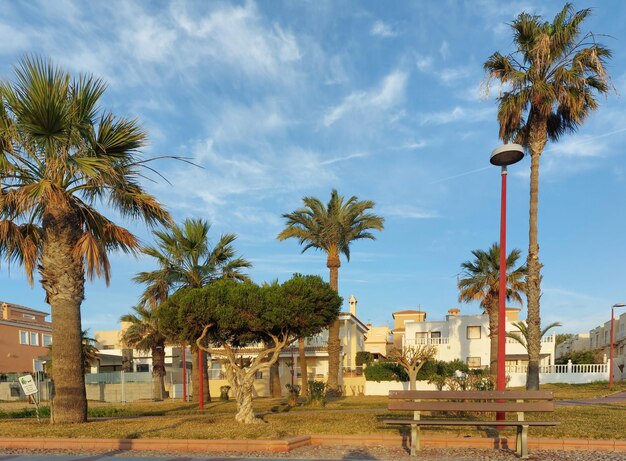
[{"x": 619, "y": 397}]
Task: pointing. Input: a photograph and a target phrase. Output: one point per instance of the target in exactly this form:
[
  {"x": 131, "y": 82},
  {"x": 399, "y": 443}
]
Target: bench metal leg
[
  {"x": 522, "y": 441},
  {"x": 415, "y": 439}
]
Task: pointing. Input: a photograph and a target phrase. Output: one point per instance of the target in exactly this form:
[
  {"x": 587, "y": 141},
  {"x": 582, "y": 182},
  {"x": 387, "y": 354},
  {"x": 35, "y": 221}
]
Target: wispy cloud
[
  {"x": 454, "y": 115},
  {"x": 388, "y": 94},
  {"x": 444, "y": 50},
  {"x": 381, "y": 29},
  {"x": 343, "y": 159},
  {"x": 423, "y": 63},
  {"x": 407, "y": 211}
]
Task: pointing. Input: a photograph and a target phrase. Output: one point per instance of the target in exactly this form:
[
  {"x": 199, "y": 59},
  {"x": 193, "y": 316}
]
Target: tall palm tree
[
  {"x": 185, "y": 259},
  {"x": 145, "y": 334},
  {"x": 61, "y": 156},
  {"x": 481, "y": 282},
  {"x": 551, "y": 83},
  {"x": 332, "y": 229}
]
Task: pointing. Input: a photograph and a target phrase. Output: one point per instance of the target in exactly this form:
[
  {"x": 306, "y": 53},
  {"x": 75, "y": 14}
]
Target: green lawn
[{"x": 347, "y": 415}]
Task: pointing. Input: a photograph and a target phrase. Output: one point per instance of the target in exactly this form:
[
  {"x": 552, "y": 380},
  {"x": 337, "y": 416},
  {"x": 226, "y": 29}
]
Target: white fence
[
  {"x": 570, "y": 373},
  {"x": 383, "y": 387}
]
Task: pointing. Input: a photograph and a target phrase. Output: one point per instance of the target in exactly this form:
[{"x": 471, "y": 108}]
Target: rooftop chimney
[
  {"x": 353, "y": 302},
  {"x": 5, "y": 311},
  {"x": 454, "y": 311}
]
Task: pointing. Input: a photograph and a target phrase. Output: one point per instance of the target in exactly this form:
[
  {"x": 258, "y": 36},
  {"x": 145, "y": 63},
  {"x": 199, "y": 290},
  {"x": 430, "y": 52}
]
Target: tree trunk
[
  {"x": 412, "y": 379},
  {"x": 158, "y": 373},
  {"x": 493, "y": 341},
  {"x": 275, "y": 381},
  {"x": 334, "y": 348},
  {"x": 194, "y": 377},
  {"x": 304, "y": 376},
  {"x": 533, "y": 278},
  {"x": 243, "y": 384},
  {"x": 63, "y": 279}
]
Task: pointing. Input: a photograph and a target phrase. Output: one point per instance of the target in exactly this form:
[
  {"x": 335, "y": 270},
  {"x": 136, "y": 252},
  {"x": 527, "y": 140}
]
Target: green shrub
[
  {"x": 364, "y": 358},
  {"x": 317, "y": 393},
  {"x": 224, "y": 392},
  {"x": 385, "y": 371},
  {"x": 294, "y": 393}
]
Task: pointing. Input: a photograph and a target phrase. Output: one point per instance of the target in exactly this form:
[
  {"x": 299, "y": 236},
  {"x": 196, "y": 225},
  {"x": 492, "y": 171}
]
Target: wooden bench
[{"x": 518, "y": 402}]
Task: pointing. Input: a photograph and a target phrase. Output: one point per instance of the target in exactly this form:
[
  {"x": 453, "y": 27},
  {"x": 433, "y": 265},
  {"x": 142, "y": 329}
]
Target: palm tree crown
[
  {"x": 60, "y": 154},
  {"x": 551, "y": 78},
  {"x": 481, "y": 278},
  {"x": 186, "y": 259},
  {"x": 332, "y": 228}
]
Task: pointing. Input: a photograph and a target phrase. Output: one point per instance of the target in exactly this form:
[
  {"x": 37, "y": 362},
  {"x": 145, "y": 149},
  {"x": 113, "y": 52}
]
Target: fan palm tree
[
  {"x": 332, "y": 228},
  {"x": 145, "y": 334},
  {"x": 551, "y": 82},
  {"x": 481, "y": 282},
  {"x": 61, "y": 156},
  {"x": 185, "y": 259},
  {"x": 521, "y": 335}
]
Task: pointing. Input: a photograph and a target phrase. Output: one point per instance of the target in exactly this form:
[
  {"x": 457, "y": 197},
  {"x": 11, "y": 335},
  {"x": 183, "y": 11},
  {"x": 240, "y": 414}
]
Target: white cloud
[
  {"x": 236, "y": 35},
  {"x": 390, "y": 93},
  {"x": 579, "y": 146},
  {"x": 407, "y": 212},
  {"x": 423, "y": 63},
  {"x": 444, "y": 50},
  {"x": 343, "y": 159},
  {"x": 381, "y": 29},
  {"x": 451, "y": 74},
  {"x": 456, "y": 114}
]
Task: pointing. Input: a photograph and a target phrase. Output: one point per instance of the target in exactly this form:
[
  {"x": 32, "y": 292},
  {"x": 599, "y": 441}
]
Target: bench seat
[{"x": 482, "y": 402}]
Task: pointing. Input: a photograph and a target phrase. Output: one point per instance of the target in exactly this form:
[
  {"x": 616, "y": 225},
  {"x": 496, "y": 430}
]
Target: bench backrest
[{"x": 476, "y": 401}]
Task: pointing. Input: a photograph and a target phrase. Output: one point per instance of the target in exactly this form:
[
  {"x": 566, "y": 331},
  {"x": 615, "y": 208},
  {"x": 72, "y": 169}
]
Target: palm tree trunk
[
  {"x": 333, "y": 263},
  {"x": 158, "y": 372},
  {"x": 533, "y": 278},
  {"x": 493, "y": 340},
  {"x": 63, "y": 279},
  {"x": 304, "y": 378}
]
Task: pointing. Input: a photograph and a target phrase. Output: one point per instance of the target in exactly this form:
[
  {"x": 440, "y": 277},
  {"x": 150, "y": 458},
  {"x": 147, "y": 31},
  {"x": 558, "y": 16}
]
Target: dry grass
[
  {"x": 346, "y": 415},
  {"x": 585, "y": 421}
]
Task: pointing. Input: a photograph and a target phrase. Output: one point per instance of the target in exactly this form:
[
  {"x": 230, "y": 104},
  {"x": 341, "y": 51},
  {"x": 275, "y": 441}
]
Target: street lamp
[
  {"x": 611, "y": 347},
  {"x": 503, "y": 156}
]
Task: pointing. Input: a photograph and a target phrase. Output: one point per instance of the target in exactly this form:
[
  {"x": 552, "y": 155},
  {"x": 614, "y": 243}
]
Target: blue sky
[{"x": 278, "y": 100}]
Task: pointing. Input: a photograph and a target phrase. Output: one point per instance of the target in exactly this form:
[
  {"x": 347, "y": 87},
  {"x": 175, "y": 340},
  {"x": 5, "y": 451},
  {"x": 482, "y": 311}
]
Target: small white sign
[{"x": 28, "y": 385}]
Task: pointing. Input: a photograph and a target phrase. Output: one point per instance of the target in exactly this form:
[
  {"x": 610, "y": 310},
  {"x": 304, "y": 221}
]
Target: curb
[{"x": 289, "y": 444}]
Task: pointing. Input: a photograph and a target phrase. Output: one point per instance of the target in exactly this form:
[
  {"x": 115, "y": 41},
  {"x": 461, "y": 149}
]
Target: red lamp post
[
  {"x": 612, "y": 340},
  {"x": 503, "y": 156},
  {"x": 184, "y": 360}
]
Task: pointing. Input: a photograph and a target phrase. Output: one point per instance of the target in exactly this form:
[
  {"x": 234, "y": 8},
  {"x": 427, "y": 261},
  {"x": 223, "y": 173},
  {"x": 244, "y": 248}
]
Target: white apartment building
[
  {"x": 466, "y": 337},
  {"x": 576, "y": 343},
  {"x": 600, "y": 339}
]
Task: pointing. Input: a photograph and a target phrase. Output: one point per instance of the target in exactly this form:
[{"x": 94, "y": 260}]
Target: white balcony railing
[{"x": 425, "y": 341}]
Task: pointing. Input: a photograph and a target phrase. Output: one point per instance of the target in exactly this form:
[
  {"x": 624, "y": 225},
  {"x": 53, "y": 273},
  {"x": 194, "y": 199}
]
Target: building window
[
  {"x": 46, "y": 340},
  {"x": 23, "y": 337},
  {"x": 34, "y": 338},
  {"x": 473, "y": 362},
  {"x": 28, "y": 316},
  {"x": 259, "y": 375},
  {"x": 143, "y": 368},
  {"x": 473, "y": 332}
]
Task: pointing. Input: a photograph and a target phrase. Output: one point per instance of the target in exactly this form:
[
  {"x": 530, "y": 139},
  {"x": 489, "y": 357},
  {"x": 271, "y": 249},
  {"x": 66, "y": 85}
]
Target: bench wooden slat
[
  {"x": 444, "y": 422},
  {"x": 470, "y": 406},
  {"x": 468, "y": 395}
]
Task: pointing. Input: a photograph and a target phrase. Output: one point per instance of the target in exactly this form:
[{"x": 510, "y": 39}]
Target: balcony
[{"x": 425, "y": 341}]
